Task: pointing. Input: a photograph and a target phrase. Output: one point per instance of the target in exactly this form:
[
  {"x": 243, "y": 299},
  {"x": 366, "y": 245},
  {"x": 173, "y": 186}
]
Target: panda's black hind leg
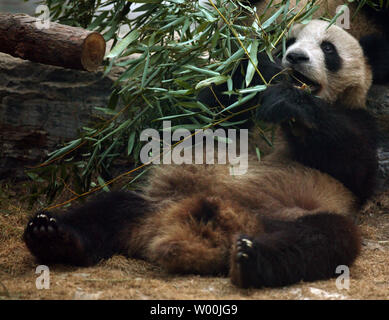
[
  {"x": 307, "y": 249},
  {"x": 53, "y": 241},
  {"x": 85, "y": 235}
]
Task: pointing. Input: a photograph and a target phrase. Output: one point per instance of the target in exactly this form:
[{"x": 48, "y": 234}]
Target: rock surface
[
  {"x": 378, "y": 103},
  {"x": 378, "y": 99},
  {"x": 41, "y": 106}
]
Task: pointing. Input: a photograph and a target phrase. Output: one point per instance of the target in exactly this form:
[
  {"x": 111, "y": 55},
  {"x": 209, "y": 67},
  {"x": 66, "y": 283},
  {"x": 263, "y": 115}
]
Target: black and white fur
[{"x": 288, "y": 219}]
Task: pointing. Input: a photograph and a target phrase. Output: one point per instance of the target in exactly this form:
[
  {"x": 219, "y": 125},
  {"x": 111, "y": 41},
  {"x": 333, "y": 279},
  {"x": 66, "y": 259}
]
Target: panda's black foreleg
[
  {"x": 307, "y": 249},
  {"x": 376, "y": 49},
  {"x": 85, "y": 235},
  {"x": 331, "y": 138}
]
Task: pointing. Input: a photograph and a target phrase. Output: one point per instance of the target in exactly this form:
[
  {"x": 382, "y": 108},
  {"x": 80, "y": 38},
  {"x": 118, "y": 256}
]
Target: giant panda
[
  {"x": 289, "y": 218},
  {"x": 364, "y": 19}
]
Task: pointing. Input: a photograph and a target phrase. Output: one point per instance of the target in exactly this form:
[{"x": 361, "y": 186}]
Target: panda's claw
[
  {"x": 247, "y": 242},
  {"x": 244, "y": 249},
  {"x": 41, "y": 226},
  {"x": 241, "y": 256}
]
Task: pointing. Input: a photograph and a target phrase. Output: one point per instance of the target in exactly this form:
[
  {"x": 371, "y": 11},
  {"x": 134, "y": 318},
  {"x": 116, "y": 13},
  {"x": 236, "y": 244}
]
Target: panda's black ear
[{"x": 376, "y": 49}]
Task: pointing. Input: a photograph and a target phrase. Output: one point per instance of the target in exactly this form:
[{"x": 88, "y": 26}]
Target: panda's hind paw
[
  {"x": 41, "y": 225},
  {"x": 53, "y": 241},
  {"x": 244, "y": 263},
  {"x": 244, "y": 249}
]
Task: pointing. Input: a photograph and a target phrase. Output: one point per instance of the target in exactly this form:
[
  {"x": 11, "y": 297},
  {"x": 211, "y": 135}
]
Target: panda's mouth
[{"x": 302, "y": 81}]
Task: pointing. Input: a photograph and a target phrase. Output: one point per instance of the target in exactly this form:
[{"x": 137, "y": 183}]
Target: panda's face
[{"x": 330, "y": 61}]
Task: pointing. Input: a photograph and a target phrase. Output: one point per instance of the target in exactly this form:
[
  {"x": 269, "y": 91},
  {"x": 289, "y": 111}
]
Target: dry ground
[{"x": 121, "y": 278}]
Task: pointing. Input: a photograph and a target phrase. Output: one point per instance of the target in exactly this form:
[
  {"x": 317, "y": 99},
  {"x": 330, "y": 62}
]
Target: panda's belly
[
  {"x": 200, "y": 209},
  {"x": 268, "y": 188}
]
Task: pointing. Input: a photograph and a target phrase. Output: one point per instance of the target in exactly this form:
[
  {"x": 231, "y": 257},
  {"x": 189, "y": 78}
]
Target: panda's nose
[{"x": 297, "y": 57}]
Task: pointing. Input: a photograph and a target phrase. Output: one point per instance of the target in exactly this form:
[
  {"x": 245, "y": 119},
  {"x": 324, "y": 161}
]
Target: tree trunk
[{"x": 25, "y": 37}]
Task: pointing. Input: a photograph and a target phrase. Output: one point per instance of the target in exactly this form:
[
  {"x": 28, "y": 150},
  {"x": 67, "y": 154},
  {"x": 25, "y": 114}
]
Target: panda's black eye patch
[
  {"x": 327, "y": 47},
  {"x": 332, "y": 58},
  {"x": 289, "y": 42}
]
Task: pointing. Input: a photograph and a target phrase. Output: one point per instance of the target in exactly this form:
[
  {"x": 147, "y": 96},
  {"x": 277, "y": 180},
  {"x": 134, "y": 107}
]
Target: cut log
[{"x": 22, "y": 36}]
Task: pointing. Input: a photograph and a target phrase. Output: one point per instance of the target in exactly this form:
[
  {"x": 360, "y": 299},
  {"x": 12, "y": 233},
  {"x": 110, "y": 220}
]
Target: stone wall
[
  {"x": 19, "y": 6},
  {"x": 42, "y": 106}
]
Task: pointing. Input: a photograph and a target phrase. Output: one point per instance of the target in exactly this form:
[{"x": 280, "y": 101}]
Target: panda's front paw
[{"x": 281, "y": 103}]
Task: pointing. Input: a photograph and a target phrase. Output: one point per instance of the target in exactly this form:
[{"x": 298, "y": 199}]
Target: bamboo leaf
[
  {"x": 102, "y": 183},
  {"x": 209, "y": 81},
  {"x": 235, "y": 57},
  {"x": 63, "y": 150},
  {"x": 273, "y": 18},
  {"x": 131, "y": 142},
  {"x": 98, "y": 21},
  {"x": 123, "y": 44},
  {"x": 239, "y": 102},
  {"x": 258, "y": 88},
  {"x": 176, "y": 116},
  {"x": 253, "y": 62},
  {"x": 202, "y": 70},
  {"x": 185, "y": 126}
]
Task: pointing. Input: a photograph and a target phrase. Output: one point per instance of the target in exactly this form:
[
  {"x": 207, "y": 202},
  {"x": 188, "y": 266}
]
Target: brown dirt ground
[{"x": 121, "y": 278}]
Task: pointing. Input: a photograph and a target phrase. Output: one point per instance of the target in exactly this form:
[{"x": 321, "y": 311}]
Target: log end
[{"x": 93, "y": 51}]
